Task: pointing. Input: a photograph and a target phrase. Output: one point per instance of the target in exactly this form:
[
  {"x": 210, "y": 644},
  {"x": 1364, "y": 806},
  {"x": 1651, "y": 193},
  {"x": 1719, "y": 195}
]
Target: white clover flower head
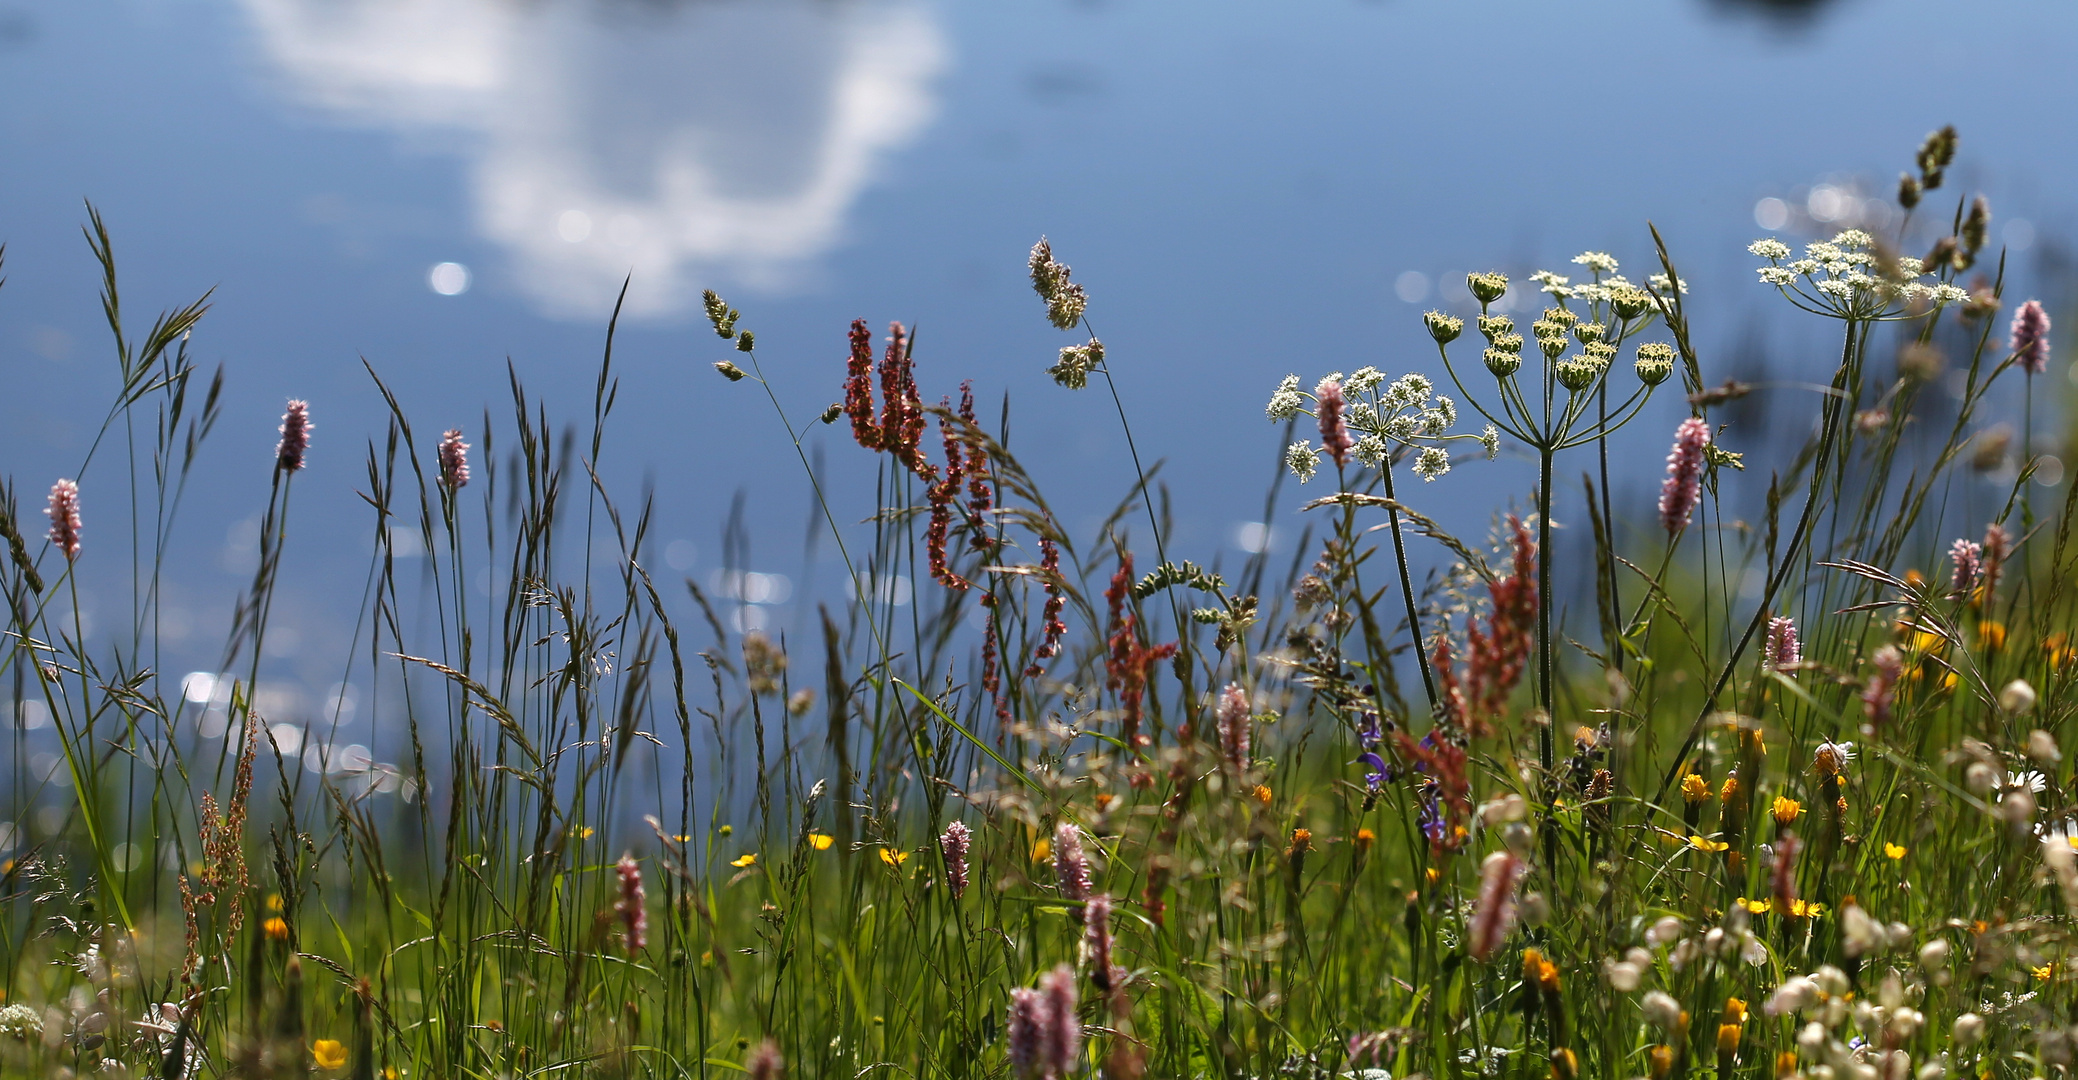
[
  {"x": 1598, "y": 261},
  {"x": 1491, "y": 439},
  {"x": 1432, "y": 462},
  {"x": 1370, "y": 450},
  {"x": 1300, "y": 458},
  {"x": 1362, "y": 380},
  {"x": 1287, "y": 402},
  {"x": 1769, "y": 248}
]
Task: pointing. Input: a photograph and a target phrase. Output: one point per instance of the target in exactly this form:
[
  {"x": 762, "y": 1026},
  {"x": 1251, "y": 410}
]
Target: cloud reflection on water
[{"x": 677, "y": 141}]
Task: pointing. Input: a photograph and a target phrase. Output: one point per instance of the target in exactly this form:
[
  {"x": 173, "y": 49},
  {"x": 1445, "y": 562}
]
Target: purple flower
[
  {"x": 1027, "y": 1032},
  {"x": 1683, "y": 486},
  {"x": 2031, "y": 337},
  {"x": 295, "y": 435},
  {"x": 1063, "y": 1043},
  {"x": 1380, "y": 771}
]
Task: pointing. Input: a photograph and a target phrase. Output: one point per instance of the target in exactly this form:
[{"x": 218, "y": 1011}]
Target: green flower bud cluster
[
  {"x": 1589, "y": 333},
  {"x": 1655, "y": 362},
  {"x": 1495, "y": 326},
  {"x": 1629, "y": 302},
  {"x": 1444, "y": 328},
  {"x": 1577, "y": 373},
  {"x": 1551, "y": 337},
  {"x": 1487, "y": 287}
]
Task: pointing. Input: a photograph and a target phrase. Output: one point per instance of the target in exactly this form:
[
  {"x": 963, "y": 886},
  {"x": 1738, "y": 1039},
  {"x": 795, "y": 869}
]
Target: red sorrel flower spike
[
  {"x": 941, "y": 495},
  {"x": 1683, "y": 487},
  {"x": 858, "y": 387},
  {"x": 1056, "y": 600},
  {"x": 980, "y": 496},
  {"x": 295, "y": 435},
  {"x": 2031, "y": 337},
  {"x": 901, "y": 411},
  {"x": 64, "y": 515},
  {"x": 454, "y": 460}
]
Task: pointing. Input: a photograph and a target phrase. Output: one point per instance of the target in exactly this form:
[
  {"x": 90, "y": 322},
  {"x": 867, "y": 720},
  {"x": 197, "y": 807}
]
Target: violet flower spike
[
  {"x": 64, "y": 515},
  {"x": 953, "y": 844},
  {"x": 2031, "y": 337},
  {"x": 295, "y": 435},
  {"x": 1683, "y": 487}
]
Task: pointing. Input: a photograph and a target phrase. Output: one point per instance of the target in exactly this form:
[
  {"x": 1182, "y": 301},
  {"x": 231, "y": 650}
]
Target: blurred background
[{"x": 443, "y": 187}]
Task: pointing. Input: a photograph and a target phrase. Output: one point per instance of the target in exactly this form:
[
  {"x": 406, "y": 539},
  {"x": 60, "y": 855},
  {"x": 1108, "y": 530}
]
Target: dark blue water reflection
[{"x": 1247, "y": 189}]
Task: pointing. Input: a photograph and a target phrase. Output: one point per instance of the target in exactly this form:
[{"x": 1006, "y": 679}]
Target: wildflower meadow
[{"x": 1760, "y": 778}]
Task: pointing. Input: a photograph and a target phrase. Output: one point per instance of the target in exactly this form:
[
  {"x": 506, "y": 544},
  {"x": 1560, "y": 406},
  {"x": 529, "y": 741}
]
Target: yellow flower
[
  {"x": 2042, "y": 973},
  {"x": 1728, "y": 1038},
  {"x": 821, "y": 841},
  {"x": 1730, "y": 790},
  {"x": 1734, "y": 1011},
  {"x": 1431, "y": 874},
  {"x": 1262, "y": 794},
  {"x": 1364, "y": 839},
  {"x": 276, "y": 928},
  {"x": 747, "y": 860},
  {"x": 892, "y": 857},
  {"x": 274, "y": 901},
  {"x": 582, "y": 832},
  {"x": 1895, "y": 851},
  {"x": 1787, "y": 810},
  {"x": 1704, "y": 843},
  {"x": 1043, "y": 850},
  {"x": 1992, "y": 635},
  {"x": 1694, "y": 788},
  {"x": 1758, "y": 907},
  {"x": 328, "y": 1054},
  {"x": 1662, "y": 1058}
]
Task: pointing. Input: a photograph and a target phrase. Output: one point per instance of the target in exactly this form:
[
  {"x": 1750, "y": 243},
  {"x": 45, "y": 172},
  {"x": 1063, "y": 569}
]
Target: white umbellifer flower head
[
  {"x": 1362, "y": 380},
  {"x": 1300, "y": 458},
  {"x": 1448, "y": 408},
  {"x": 1950, "y": 294},
  {"x": 1662, "y": 282},
  {"x": 1287, "y": 402},
  {"x": 1432, "y": 462},
  {"x": 1555, "y": 284},
  {"x": 1370, "y": 450},
  {"x": 1491, "y": 439},
  {"x": 1599, "y": 261},
  {"x": 1770, "y": 248},
  {"x": 1408, "y": 391},
  {"x": 1778, "y": 275},
  {"x": 1853, "y": 238}
]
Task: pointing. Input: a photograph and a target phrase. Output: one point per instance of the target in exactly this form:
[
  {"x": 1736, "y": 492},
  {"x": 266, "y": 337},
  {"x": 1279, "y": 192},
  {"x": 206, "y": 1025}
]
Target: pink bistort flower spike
[
  {"x": 1063, "y": 1043},
  {"x": 954, "y": 843},
  {"x": 1784, "y": 651},
  {"x": 2031, "y": 337},
  {"x": 454, "y": 460},
  {"x": 295, "y": 435},
  {"x": 1968, "y": 556},
  {"x": 64, "y": 515},
  {"x": 1684, "y": 484},
  {"x": 1096, "y": 942},
  {"x": 631, "y": 907},
  {"x": 1027, "y": 1032},
  {"x": 1328, "y": 406},
  {"x": 1493, "y": 914},
  {"x": 1071, "y": 867},
  {"x": 1234, "y": 726}
]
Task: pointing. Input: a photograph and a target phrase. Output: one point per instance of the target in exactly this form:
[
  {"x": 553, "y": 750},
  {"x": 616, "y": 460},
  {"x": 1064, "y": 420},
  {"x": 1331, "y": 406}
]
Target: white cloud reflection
[{"x": 679, "y": 141}]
